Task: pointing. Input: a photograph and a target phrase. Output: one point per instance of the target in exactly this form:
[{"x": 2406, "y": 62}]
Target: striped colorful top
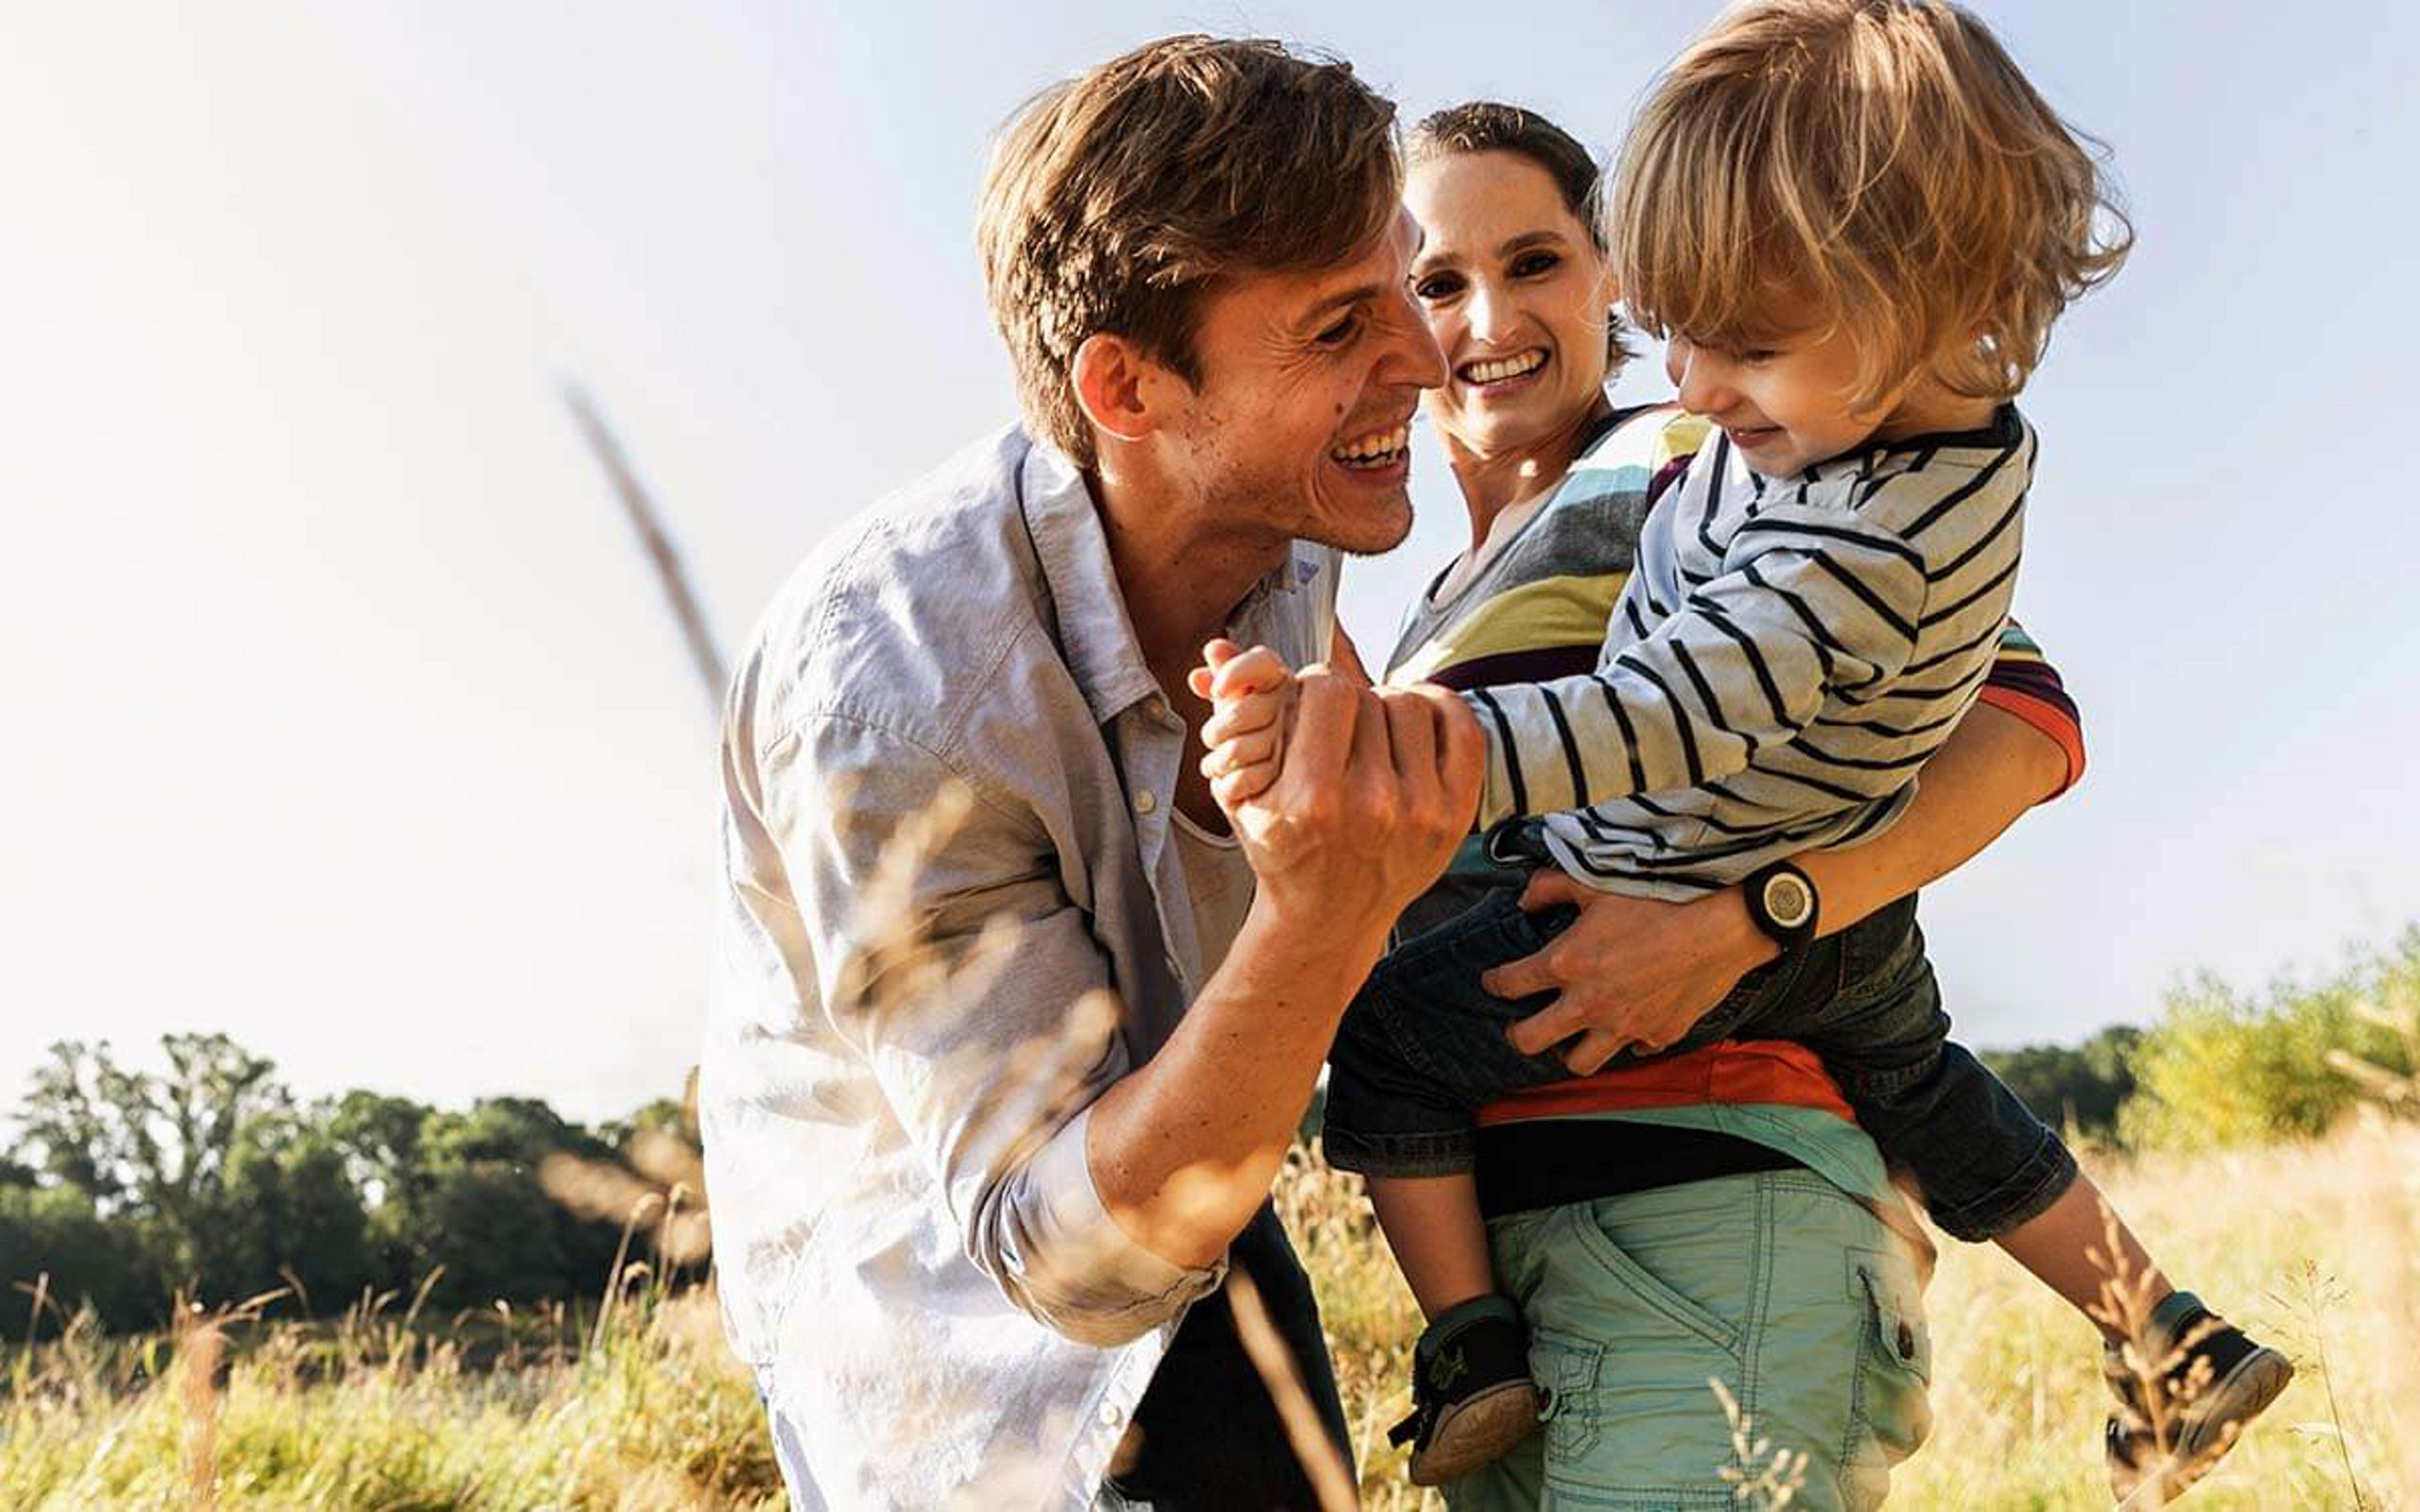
[
  {"x": 1784, "y": 657},
  {"x": 1538, "y": 613}
]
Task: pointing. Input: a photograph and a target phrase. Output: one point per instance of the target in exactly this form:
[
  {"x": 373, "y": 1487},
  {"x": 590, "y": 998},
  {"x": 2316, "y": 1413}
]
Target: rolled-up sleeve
[
  {"x": 947, "y": 954},
  {"x": 2024, "y": 683}
]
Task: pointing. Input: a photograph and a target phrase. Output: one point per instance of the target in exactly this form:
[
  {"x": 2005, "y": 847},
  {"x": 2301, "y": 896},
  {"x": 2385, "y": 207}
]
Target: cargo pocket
[
  {"x": 1892, "y": 1412},
  {"x": 1566, "y": 1366}
]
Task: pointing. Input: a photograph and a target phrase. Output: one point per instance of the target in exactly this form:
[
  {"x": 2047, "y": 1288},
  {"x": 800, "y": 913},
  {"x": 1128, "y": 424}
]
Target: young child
[{"x": 1852, "y": 221}]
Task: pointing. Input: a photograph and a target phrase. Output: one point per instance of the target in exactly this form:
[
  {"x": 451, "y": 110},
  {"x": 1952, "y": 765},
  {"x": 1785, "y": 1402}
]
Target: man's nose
[{"x": 1417, "y": 358}]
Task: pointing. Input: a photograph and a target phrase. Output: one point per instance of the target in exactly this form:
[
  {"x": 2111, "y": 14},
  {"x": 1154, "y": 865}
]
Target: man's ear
[{"x": 1120, "y": 391}]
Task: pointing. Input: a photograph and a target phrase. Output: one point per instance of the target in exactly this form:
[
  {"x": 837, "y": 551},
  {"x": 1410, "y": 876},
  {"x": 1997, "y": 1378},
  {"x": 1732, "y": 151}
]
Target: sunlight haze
[{"x": 347, "y": 718}]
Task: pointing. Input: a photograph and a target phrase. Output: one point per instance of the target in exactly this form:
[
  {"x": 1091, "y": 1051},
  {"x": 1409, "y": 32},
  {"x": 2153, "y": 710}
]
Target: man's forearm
[
  {"x": 1184, "y": 1149},
  {"x": 1994, "y": 767}
]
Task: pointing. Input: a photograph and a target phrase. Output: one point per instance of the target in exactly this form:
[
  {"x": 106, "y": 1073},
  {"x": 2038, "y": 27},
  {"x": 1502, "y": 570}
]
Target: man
[{"x": 1004, "y": 1062}]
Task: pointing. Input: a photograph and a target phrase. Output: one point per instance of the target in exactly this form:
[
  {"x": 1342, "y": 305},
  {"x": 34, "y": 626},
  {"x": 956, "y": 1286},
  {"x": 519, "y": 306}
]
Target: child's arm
[
  {"x": 1252, "y": 693},
  {"x": 1810, "y": 603}
]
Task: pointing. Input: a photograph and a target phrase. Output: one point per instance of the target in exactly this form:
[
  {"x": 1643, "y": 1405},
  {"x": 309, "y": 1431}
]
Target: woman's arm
[{"x": 1631, "y": 970}]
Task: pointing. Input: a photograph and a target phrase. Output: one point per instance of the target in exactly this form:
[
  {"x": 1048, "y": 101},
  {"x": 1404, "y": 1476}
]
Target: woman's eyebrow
[{"x": 1528, "y": 239}]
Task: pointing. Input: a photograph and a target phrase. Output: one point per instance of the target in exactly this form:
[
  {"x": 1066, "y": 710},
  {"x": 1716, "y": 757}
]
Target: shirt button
[
  {"x": 1145, "y": 802},
  {"x": 1110, "y": 1415}
]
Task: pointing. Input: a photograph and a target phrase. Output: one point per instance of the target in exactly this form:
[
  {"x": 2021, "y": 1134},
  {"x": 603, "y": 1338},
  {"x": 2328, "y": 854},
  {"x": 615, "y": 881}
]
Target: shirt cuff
[{"x": 1075, "y": 1269}]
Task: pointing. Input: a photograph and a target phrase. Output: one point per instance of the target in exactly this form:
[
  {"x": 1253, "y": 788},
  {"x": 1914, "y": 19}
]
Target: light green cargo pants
[{"x": 1791, "y": 1293}]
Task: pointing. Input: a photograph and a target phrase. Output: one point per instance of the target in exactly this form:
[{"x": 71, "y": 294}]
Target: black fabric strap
[{"x": 1547, "y": 1162}]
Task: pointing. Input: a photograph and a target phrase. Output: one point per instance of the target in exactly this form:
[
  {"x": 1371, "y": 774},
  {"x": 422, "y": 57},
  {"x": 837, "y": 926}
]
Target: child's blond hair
[{"x": 1883, "y": 158}]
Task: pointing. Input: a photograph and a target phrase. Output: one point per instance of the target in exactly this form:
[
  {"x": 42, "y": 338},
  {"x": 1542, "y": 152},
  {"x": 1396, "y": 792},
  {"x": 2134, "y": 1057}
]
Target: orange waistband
[{"x": 1734, "y": 1070}]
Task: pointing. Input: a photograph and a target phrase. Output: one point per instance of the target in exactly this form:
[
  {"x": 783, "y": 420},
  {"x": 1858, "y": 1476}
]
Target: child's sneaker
[
  {"x": 2210, "y": 1380},
  {"x": 1472, "y": 1398}
]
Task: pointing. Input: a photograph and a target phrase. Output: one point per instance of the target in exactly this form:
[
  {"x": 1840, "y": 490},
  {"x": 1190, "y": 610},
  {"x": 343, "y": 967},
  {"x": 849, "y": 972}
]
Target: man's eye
[
  {"x": 1340, "y": 333},
  {"x": 1437, "y": 286},
  {"x": 1529, "y": 265}
]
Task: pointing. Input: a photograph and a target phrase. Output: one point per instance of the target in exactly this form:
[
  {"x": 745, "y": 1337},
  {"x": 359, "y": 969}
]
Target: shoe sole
[
  {"x": 2257, "y": 1380},
  {"x": 2245, "y": 1394},
  {"x": 1475, "y": 1433}
]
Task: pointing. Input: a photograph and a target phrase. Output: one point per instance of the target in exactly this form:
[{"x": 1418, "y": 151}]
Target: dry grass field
[{"x": 2317, "y": 1244}]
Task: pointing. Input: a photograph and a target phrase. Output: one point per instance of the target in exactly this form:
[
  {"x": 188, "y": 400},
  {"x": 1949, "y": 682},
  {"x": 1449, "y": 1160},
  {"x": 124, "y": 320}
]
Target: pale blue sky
[{"x": 345, "y": 717}]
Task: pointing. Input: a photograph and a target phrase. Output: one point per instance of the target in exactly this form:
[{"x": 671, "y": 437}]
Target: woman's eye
[
  {"x": 1437, "y": 286},
  {"x": 1529, "y": 265}
]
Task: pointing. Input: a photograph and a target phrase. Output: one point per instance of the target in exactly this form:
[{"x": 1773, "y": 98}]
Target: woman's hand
[{"x": 1629, "y": 971}]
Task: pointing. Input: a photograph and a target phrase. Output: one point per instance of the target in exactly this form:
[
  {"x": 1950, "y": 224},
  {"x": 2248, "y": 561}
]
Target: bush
[
  {"x": 2226, "y": 1067},
  {"x": 91, "y": 1262}
]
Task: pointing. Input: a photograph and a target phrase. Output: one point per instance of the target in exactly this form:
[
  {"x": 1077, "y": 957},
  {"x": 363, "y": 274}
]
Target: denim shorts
[
  {"x": 1423, "y": 1046},
  {"x": 1798, "y": 1297}
]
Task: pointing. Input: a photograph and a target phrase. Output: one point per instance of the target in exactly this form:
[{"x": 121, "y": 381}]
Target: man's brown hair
[
  {"x": 1883, "y": 158},
  {"x": 1116, "y": 199}
]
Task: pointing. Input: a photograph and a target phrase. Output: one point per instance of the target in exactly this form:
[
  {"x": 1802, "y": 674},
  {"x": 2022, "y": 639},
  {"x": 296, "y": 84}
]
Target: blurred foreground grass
[{"x": 2316, "y": 1245}]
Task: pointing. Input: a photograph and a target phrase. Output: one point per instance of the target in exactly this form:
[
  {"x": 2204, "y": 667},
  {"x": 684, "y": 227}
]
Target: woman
[{"x": 1716, "y": 1214}]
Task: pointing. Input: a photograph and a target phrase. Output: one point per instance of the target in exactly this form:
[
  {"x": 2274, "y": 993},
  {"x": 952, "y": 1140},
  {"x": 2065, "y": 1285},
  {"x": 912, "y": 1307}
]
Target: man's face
[{"x": 1301, "y": 425}]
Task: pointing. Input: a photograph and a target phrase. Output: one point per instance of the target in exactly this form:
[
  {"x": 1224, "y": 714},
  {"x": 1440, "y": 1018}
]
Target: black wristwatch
[{"x": 1783, "y": 902}]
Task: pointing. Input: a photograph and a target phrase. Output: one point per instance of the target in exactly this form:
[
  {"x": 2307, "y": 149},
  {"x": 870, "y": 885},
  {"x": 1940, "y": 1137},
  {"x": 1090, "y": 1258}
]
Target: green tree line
[
  {"x": 122, "y": 1187},
  {"x": 2227, "y": 1065},
  {"x": 125, "y": 1187}
]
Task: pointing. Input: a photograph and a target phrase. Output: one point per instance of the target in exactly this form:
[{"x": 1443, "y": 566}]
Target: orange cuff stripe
[{"x": 2049, "y": 718}]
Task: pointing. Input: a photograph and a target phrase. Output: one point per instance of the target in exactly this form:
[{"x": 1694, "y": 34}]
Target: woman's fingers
[
  {"x": 1549, "y": 886},
  {"x": 1540, "y": 970},
  {"x": 1587, "y": 1055},
  {"x": 1568, "y": 1015}
]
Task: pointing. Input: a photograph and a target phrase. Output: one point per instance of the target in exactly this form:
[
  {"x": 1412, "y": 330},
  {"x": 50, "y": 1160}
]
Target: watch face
[{"x": 1788, "y": 902}]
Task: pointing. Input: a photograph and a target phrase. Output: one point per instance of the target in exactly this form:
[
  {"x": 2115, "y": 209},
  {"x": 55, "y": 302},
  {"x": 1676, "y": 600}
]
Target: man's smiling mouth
[{"x": 1379, "y": 448}]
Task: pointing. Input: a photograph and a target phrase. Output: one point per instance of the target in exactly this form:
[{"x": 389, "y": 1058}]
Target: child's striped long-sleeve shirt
[{"x": 1786, "y": 655}]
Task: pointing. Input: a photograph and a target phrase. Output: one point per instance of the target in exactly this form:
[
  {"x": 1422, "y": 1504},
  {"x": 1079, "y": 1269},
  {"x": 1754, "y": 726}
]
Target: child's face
[{"x": 1785, "y": 395}]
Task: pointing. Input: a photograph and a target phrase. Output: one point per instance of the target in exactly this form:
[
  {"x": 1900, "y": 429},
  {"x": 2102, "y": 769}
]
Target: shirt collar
[{"x": 1096, "y": 636}]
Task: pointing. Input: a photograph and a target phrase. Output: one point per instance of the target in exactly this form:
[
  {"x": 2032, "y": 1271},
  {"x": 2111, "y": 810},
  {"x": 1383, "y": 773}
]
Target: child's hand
[{"x": 1254, "y": 693}]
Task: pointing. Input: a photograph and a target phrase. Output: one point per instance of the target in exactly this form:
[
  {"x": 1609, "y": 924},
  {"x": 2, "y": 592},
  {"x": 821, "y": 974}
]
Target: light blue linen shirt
[{"x": 912, "y": 1252}]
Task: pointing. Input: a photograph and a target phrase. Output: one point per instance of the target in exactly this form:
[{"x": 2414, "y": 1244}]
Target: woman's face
[{"x": 1516, "y": 295}]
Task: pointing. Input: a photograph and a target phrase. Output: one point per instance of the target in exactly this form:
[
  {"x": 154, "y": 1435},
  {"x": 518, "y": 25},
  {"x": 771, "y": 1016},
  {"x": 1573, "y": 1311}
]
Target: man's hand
[
  {"x": 1372, "y": 790},
  {"x": 1632, "y": 971}
]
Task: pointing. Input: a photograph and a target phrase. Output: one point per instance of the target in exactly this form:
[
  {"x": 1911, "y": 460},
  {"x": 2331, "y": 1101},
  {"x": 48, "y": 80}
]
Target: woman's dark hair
[{"x": 1489, "y": 125}]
